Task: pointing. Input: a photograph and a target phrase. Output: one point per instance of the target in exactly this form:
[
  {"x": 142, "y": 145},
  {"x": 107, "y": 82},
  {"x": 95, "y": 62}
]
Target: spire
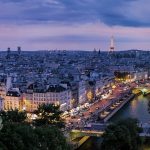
[
  {"x": 112, "y": 47},
  {"x": 8, "y": 52},
  {"x": 19, "y": 50},
  {"x": 99, "y": 51}
]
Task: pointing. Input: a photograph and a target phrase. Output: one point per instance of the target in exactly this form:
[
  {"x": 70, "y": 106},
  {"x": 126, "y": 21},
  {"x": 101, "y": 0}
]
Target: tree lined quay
[
  {"x": 104, "y": 109},
  {"x": 98, "y": 111}
]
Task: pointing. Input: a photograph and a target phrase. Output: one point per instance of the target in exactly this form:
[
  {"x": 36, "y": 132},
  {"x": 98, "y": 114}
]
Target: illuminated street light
[
  {"x": 144, "y": 91},
  {"x": 90, "y": 95}
]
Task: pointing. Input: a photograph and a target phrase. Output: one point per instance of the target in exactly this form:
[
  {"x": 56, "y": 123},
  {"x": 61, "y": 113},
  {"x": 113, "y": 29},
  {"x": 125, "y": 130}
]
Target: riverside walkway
[{"x": 97, "y": 129}]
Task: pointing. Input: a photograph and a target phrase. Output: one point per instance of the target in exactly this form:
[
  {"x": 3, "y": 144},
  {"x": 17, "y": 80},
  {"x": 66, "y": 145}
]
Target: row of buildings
[
  {"x": 66, "y": 94},
  {"x": 67, "y": 78}
]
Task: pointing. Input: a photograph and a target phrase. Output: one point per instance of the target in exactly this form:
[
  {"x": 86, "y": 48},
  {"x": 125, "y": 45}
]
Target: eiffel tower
[{"x": 112, "y": 47}]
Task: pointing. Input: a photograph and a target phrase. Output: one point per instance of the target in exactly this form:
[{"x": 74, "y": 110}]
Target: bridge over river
[
  {"x": 97, "y": 130},
  {"x": 93, "y": 129},
  {"x": 145, "y": 90}
]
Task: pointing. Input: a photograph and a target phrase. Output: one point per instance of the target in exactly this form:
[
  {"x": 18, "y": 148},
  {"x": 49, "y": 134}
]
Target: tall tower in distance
[
  {"x": 19, "y": 50},
  {"x": 112, "y": 47},
  {"x": 8, "y": 53},
  {"x": 8, "y": 50}
]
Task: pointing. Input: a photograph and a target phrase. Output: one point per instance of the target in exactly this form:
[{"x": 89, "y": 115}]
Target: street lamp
[{"x": 89, "y": 95}]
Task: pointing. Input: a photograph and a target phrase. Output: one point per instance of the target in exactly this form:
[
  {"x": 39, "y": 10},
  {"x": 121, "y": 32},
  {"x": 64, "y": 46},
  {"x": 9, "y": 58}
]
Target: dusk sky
[{"x": 74, "y": 24}]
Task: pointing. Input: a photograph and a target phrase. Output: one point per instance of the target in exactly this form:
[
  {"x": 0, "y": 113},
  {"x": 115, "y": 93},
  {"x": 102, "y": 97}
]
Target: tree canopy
[
  {"x": 49, "y": 114},
  {"x": 16, "y": 136},
  {"x": 123, "y": 135},
  {"x": 13, "y": 116}
]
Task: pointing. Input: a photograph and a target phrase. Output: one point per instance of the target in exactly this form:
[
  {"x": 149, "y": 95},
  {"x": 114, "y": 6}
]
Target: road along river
[{"x": 136, "y": 108}]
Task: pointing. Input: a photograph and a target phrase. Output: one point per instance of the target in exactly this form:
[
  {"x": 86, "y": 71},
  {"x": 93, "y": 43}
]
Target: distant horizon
[{"x": 71, "y": 50}]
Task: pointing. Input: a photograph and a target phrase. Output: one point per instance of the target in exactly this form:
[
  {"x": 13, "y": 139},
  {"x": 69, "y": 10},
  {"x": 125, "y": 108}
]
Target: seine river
[{"x": 137, "y": 108}]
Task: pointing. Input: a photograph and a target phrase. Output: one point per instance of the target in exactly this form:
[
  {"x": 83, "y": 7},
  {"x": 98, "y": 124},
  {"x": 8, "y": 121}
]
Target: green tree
[
  {"x": 16, "y": 136},
  {"x": 13, "y": 116},
  {"x": 9, "y": 138},
  {"x": 123, "y": 135},
  {"x": 51, "y": 138},
  {"x": 49, "y": 114},
  {"x": 134, "y": 130},
  {"x": 2, "y": 146}
]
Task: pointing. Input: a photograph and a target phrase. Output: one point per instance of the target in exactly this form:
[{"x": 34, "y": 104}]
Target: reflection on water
[{"x": 137, "y": 108}]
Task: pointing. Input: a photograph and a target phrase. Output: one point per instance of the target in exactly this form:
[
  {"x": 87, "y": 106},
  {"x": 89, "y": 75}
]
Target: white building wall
[
  {"x": 2, "y": 90},
  {"x": 98, "y": 87},
  {"x": 140, "y": 75},
  {"x": 63, "y": 98},
  {"x": 11, "y": 102},
  {"x": 82, "y": 92}
]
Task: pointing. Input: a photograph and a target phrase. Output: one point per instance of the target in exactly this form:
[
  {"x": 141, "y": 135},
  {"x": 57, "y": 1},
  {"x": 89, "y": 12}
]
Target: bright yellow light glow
[
  {"x": 89, "y": 95},
  {"x": 113, "y": 86}
]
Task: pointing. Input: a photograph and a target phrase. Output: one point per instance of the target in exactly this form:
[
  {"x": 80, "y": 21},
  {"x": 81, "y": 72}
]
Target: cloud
[
  {"x": 79, "y": 24},
  {"x": 82, "y": 36},
  {"x": 110, "y": 12}
]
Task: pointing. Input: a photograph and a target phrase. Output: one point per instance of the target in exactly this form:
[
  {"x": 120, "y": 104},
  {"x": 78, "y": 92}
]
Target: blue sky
[{"x": 74, "y": 24}]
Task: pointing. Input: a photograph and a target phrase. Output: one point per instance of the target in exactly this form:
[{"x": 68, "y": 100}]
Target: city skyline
[{"x": 77, "y": 25}]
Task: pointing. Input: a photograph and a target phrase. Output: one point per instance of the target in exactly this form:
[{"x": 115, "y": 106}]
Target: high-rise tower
[
  {"x": 19, "y": 50},
  {"x": 8, "y": 53},
  {"x": 112, "y": 47},
  {"x": 8, "y": 50}
]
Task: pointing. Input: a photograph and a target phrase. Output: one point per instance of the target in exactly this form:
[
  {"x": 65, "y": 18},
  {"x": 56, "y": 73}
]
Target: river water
[{"x": 136, "y": 108}]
